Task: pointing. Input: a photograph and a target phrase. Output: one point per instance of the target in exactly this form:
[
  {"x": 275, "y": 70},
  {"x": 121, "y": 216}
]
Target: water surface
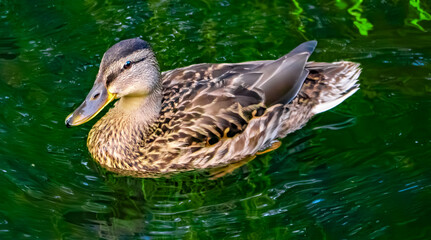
[{"x": 359, "y": 171}]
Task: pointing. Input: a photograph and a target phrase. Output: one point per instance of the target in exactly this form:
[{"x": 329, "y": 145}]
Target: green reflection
[
  {"x": 340, "y": 4},
  {"x": 297, "y": 12},
  {"x": 423, "y": 15},
  {"x": 361, "y": 23}
]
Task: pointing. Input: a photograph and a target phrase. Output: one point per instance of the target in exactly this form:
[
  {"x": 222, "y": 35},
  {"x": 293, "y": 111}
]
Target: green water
[{"x": 359, "y": 171}]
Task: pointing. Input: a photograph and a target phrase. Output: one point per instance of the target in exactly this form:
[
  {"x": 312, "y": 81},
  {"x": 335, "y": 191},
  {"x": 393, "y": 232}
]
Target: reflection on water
[{"x": 359, "y": 171}]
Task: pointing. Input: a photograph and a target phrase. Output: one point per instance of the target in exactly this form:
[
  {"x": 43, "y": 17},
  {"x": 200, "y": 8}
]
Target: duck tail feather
[{"x": 339, "y": 81}]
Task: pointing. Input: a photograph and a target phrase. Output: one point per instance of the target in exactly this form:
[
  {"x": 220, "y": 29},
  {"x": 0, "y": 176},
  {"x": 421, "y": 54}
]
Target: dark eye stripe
[
  {"x": 112, "y": 76},
  {"x": 129, "y": 63}
]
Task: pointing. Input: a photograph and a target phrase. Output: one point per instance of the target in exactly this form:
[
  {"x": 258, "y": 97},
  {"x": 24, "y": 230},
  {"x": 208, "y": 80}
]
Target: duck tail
[{"x": 330, "y": 83}]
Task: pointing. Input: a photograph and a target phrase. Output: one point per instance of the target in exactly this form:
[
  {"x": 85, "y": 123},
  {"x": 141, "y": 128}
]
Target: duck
[{"x": 204, "y": 116}]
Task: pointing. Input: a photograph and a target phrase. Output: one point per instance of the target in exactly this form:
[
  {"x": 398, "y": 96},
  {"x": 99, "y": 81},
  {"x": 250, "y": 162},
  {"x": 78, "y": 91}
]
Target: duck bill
[{"x": 95, "y": 101}]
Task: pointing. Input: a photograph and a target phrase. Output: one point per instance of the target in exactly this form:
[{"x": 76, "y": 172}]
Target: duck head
[{"x": 128, "y": 69}]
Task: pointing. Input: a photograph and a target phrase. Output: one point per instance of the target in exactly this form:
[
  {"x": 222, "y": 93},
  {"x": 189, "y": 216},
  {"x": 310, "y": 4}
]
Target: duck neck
[{"x": 142, "y": 111}]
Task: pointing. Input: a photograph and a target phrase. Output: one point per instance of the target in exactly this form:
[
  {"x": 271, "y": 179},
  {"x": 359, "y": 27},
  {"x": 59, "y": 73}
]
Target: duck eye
[{"x": 127, "y": 65}]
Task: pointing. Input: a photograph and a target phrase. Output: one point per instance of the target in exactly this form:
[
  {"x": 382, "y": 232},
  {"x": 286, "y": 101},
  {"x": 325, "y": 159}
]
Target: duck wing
[
  {"x": 280, "y": 80},
  {"x": 204, "y": 103},
  {"x": 204, "y": 112}
]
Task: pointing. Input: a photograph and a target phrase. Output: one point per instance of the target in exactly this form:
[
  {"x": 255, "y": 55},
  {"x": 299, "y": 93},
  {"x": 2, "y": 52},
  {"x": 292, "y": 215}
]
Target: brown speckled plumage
[{"x": 211, "y": 115}]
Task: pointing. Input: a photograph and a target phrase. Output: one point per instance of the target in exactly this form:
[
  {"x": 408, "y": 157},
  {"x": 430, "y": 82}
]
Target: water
[{"x": 359, "y": 171}]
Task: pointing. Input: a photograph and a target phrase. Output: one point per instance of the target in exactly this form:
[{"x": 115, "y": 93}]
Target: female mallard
[{"x": 204, "y": 115}]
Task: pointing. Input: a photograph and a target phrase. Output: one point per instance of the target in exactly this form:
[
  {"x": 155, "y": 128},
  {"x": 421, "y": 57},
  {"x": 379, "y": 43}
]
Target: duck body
[{"x": 207, "y": 116}]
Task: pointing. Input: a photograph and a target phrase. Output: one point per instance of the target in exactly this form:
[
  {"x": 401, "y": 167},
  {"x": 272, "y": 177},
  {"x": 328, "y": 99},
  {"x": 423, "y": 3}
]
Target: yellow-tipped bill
[{"x": 95, "y": 101}]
